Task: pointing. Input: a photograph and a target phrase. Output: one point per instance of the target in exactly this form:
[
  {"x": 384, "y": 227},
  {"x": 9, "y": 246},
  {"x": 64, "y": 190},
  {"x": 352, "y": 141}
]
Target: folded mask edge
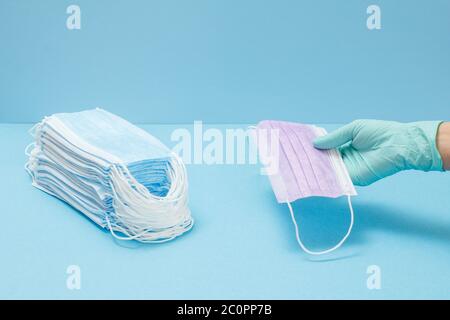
[{"x": 338, "y": 164}]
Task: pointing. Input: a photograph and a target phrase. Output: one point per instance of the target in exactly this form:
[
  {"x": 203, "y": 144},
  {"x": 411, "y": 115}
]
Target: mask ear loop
[
  {"x": 28, "y": 148},
  {"x": 328, "y": 250},
  {"x": 135, "y": 237}
]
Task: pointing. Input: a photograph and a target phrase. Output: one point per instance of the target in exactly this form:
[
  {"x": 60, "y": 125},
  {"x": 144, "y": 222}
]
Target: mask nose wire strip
[{"x": 328, "y": 250}]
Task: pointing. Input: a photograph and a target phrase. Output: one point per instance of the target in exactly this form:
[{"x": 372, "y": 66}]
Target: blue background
[
  {"x": 227, "y": 61},
  {"x": 235, "y": 62},
  {"x": 242, "y": 245}
]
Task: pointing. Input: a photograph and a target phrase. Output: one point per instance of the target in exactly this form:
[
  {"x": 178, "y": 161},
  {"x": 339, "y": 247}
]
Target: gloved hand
[{"x": 374, "y": 149}]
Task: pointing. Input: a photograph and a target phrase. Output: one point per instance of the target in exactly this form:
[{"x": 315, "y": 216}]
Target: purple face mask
[{"x": 298, "y": 170}]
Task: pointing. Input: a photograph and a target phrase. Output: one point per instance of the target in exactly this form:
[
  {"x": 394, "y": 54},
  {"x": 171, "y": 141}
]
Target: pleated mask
[
  {"x": 301, "y": 170},
  {"x": 117, "y": 174}
]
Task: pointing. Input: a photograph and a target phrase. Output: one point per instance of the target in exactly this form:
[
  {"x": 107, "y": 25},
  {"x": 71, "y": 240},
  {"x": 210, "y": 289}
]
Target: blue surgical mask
[{"x": 120, "y": 176}]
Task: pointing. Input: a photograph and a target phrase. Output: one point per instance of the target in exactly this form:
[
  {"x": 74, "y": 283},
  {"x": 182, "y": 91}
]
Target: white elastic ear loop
[
  {"x": 169, "y": 210},
  {"x": 28, "y": 148},
  {"x": 136, "y": 236},
  {"x": 328, "y": 250}
]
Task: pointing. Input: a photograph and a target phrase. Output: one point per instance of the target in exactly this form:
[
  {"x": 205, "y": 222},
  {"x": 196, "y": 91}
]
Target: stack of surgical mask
[{"x": 115, "y": 173}]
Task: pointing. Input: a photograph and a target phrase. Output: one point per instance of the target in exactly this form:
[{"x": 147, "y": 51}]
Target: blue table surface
[{"x": 242, "y": 245}]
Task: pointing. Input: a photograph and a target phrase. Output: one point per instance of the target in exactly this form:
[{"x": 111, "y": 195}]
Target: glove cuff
[{"x": 430, "y": 130}]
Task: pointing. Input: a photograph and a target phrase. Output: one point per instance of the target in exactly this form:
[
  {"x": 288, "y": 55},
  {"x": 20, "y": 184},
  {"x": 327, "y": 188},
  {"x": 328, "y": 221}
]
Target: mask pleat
[
  {"x": 324, "y": 171},
  {"x": 285, "y": 165},
  {"x": 303, "y": 156}
]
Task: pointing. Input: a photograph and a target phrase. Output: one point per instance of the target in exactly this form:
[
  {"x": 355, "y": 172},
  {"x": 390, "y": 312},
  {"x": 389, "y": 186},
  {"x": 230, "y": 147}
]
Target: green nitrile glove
[{"x": 374, "y": 149}]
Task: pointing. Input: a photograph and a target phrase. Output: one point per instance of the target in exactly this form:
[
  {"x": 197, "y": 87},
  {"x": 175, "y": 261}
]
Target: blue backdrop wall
[{"x": 166, "y": 61}]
